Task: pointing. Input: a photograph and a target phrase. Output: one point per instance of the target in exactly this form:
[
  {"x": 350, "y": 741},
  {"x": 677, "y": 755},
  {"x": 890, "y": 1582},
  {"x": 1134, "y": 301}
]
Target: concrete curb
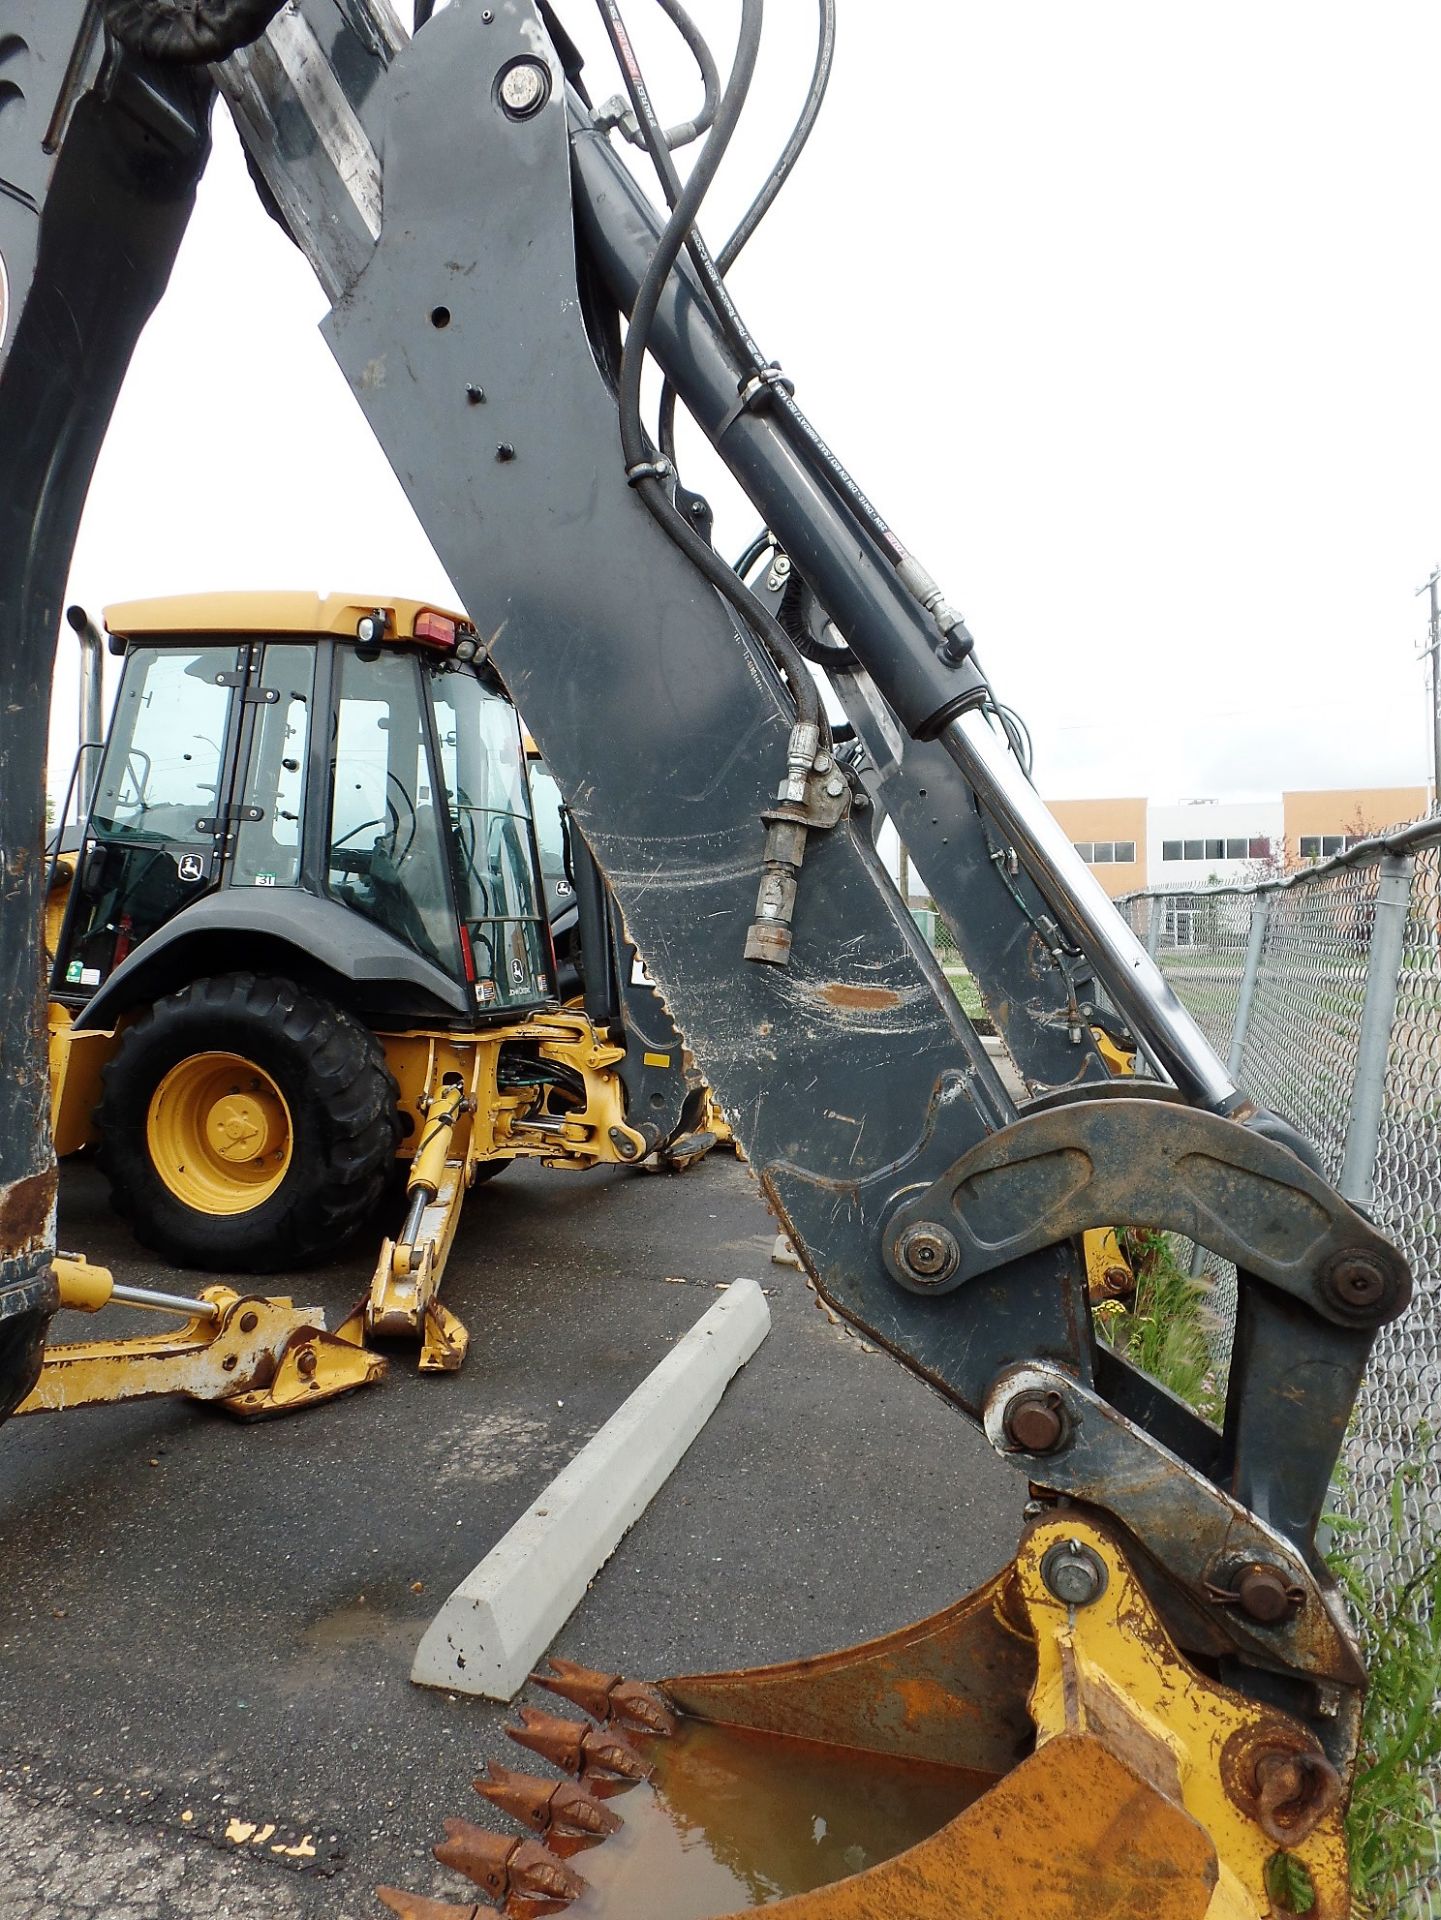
[{"x": 505, "y": 1613}]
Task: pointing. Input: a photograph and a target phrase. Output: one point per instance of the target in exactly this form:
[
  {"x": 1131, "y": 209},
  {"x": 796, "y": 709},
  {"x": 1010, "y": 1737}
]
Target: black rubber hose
[
  {"x": 688, "y": 130},
  {"x": 765, "y": 199},
  {"x": 791, "y": 152},
  {"x": 652, "y": 486}
]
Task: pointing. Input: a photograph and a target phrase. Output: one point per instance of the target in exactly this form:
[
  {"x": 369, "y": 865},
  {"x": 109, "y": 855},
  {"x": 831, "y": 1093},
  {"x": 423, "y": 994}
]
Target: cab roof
[{"x": 264, "y": 612}]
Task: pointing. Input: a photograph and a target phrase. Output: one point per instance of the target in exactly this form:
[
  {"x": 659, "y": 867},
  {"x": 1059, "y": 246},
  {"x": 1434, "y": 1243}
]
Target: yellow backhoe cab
[{"x": 305, "y": 931}]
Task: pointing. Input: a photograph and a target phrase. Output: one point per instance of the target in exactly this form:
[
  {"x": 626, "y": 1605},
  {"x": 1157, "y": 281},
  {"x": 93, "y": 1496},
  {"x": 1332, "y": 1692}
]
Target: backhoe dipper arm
[
  {"x": 100, "y": 151},
  {"x": 479, "y": 239}
]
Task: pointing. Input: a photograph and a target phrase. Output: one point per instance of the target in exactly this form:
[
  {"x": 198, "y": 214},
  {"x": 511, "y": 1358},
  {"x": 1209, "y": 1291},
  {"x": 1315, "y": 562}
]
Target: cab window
[{"x": 386, "y": 855}]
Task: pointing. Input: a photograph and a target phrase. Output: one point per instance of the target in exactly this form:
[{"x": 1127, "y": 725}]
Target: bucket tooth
[
  {"x": 607, "y": 1752},
  {"x": 524, "y": 1796},
  {"x": 576, "y": 1747},
  {"x": 482, "y": 1856},
  {"x": 506, "y": 1868},
  {"x": 415, "y": 1906},
  {"x": 639, "y": 1704},
  {"x": 537, "y": 1874},
  {"x": 554, "y": 1739},
  {"x": 609, "y": 1696},
  {"x": 572, "y": 1809},
  {"x": 560, "y": 1805}
]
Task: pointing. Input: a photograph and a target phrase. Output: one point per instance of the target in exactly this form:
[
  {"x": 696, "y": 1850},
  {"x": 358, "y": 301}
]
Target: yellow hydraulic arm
[{"x": 252, "y": 1355}]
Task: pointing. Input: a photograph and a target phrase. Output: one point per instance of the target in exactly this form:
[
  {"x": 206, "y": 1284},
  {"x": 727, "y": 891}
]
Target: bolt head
[
  {"x": 1035, "y": 1423},
  {"x": 1074, "y": 1573},
  {"x": 928, "y": 1252},
  {"x": 1265, "y": 1595},
  {"x": 1356, "y": 1282},
  {"x": 305, "y": 1362},
  {"x": 524, "y": 88}
]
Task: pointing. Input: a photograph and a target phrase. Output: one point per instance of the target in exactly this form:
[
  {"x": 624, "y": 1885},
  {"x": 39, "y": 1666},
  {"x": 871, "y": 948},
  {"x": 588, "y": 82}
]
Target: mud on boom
[{"x": 1163, "y": 1686}]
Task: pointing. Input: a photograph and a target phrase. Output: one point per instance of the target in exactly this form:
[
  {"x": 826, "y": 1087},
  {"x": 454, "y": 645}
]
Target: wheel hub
[
  {"x": 219, "y": 1134},
  {"x": 238, "y": 1128}
]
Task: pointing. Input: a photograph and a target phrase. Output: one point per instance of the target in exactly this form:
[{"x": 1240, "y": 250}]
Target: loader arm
[{"x": 481, "y": 242}]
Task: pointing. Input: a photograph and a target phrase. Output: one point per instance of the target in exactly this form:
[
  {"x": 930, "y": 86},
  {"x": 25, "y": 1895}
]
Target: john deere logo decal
[{"x": 190, "y": 866}]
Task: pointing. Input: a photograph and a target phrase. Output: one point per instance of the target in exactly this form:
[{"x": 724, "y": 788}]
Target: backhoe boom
[{"x": 481, "y": 244}]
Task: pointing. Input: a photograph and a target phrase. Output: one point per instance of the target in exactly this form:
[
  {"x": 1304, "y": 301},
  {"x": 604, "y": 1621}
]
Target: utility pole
[{"x": 1432, "y": 651}]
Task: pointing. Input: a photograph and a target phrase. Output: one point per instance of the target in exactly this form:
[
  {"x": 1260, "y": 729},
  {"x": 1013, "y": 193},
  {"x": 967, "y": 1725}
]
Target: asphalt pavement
[{"x": 205, "y": 1709}]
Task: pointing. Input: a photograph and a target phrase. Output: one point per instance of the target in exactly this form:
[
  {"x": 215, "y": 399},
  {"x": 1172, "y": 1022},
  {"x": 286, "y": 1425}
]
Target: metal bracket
[
  {"x": 1137, "y": 1162},
  {"x": 1102, "y": 1458}
]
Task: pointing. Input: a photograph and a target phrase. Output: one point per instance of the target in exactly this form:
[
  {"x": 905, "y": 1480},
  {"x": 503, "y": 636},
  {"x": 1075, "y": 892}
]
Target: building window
[
  {"x": 1234, "y": 847},
  {"x": 1321, "y": 846},
  {"x": 1105, "y": 853}
]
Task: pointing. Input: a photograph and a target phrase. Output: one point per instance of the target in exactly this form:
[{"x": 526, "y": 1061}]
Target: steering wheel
[{"x": 392, "y": 827}]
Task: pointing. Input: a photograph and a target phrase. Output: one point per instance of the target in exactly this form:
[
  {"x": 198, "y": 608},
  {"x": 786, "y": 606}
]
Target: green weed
[
  {"x": 1393, "y": 1824},
  {"x": 1162, "y": 1330}
]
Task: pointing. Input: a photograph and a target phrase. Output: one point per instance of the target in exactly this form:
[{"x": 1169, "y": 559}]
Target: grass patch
[
  {"x": 1162, "y": 1330},
  {"x": 969, "y": 995},
  {"x": 1393, "y": 1824}
]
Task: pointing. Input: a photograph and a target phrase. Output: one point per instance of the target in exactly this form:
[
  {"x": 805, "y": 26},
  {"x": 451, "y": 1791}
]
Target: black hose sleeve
[{"x": 188, "y": 32}]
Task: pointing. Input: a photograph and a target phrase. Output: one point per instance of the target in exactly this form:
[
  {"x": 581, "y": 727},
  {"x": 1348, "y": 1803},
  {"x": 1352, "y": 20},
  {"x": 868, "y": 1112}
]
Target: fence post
[
  {"x": 1250, "y": 973},
  {"x": 1378, "y": 1011},
  {"x": 1153, "y": 932},
  {"x": 1255, "y": 947}
]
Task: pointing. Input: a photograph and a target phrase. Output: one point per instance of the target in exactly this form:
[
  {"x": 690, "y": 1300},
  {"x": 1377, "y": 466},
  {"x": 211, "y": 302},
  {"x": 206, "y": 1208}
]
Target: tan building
[
  {"x": 1326, "y": 821},
  {"x": 1132, "y": 843},
  {"x": 1110, "y": 836}
]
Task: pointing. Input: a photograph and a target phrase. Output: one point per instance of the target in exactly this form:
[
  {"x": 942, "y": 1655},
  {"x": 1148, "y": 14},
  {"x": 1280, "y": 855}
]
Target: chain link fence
[{"x": 1323, "y": 990}]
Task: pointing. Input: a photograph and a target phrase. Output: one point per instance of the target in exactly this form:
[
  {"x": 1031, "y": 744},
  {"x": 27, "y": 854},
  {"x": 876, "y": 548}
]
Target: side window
[
  {"x": 161, "y": 770},
  {"x": 483, "y": 766},
  {"x": 550, "y": 836},
  {"x": 267, "y": 850},
  {"x": 386, "y": 855}
]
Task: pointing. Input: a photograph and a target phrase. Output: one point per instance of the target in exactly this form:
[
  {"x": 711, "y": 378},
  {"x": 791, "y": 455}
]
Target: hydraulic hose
[{"x": 649, "y": 477}]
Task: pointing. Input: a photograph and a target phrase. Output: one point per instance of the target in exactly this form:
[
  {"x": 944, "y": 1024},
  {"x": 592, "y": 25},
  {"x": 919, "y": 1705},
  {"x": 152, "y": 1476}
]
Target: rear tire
[{"x": 246, "y": 1125}]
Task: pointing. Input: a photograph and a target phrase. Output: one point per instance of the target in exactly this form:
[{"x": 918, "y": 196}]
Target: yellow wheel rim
[{"x": 218, "y": 1131}]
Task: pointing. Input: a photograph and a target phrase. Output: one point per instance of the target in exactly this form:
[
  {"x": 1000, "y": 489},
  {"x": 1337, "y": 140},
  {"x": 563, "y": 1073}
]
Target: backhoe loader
[
  {"x": 1158, "y": 1699},
  {"x": 304, "y": 932}
]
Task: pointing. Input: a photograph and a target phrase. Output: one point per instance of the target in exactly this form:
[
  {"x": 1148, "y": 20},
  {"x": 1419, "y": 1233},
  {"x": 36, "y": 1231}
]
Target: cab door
[{"x": 160, "y": 813}]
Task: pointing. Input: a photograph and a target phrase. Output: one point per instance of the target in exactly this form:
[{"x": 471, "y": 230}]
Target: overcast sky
[{"x": 1125, "y": 316}]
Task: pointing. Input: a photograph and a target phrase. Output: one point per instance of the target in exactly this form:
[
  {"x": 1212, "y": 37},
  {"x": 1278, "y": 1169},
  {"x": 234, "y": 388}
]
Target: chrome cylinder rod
[
  {"x": 165, "y": 1302},
  {"x": 1128, "y": 973}
]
